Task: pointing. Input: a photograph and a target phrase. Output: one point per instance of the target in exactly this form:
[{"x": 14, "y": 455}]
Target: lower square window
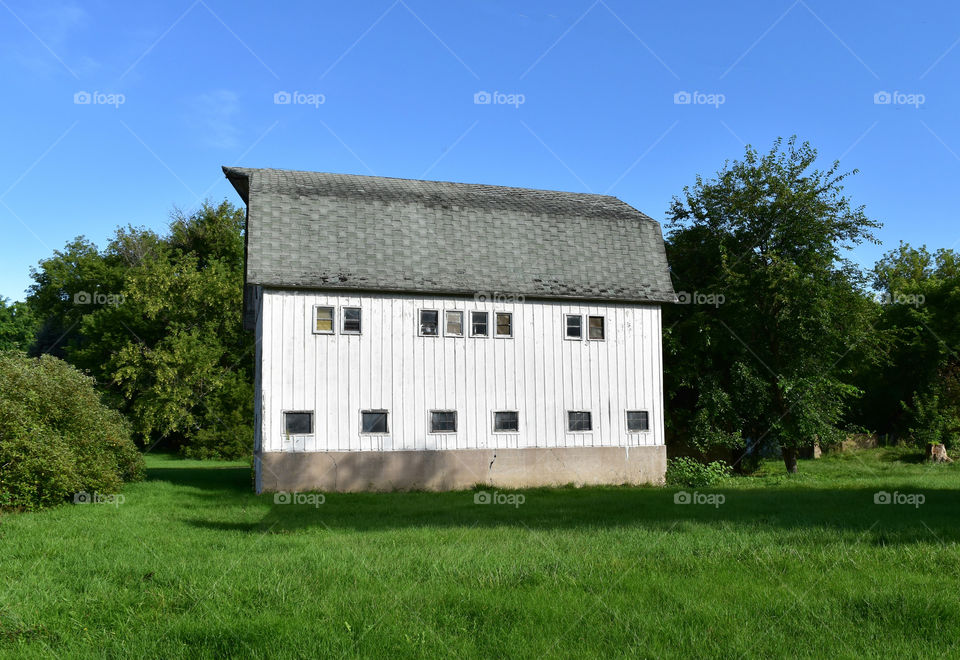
[
  {"x": 579, "y": 420},
  {"x": 373, "y": 421},
  {"x": 638, "y": 420},
  {"x": 298, "y": 423},
  {"x": 506, "y": 421},
  {"x": 443, "y": 421}
]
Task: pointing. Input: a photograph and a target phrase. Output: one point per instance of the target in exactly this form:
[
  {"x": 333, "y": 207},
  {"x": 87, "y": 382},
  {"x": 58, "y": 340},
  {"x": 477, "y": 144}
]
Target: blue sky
[{"x": 582, "y": 97}]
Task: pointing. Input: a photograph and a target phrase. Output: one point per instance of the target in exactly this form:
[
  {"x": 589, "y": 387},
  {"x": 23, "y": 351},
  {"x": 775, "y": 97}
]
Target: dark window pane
[
  {"x": 429, "y": 322},
  {"x": 478, "y": 324},
  {"x": 506, "y": 421},
  {"x": 443, "y": 421},
  {"x": 575, "y": 327},
  {"x": 638, "y": 420},
  {"x": 596, "y": 327},
  {"x": 504, "y": 324},
  {"x": 579, "y": 421},
  {"x": 298, "y": 423},
  {"x": 351, "y": 319},
  {"x": 373, "y": 421}
]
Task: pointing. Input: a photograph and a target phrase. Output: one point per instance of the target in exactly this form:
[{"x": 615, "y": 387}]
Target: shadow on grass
[{"x": 224, "y": 479}]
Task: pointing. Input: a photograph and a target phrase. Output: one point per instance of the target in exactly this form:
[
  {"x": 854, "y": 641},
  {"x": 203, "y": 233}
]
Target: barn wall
[{"x": 389, "y": 366}]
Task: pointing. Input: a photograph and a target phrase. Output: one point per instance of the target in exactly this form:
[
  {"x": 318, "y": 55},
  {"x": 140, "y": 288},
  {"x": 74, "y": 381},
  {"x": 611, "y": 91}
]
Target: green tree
[
  {"x": 18, "y": 326},
  {"x": 762, "y": 349}
]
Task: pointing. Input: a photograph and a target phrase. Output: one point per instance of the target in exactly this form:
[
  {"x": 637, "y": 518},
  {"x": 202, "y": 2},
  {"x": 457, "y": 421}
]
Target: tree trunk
[{"x": 790, "y": 459}]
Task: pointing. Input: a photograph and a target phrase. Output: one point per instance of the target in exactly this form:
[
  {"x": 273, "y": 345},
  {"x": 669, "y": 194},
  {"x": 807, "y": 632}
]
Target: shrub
[
  {"x": 685, "y": 471},
  {"x": 56, "y": 436}
]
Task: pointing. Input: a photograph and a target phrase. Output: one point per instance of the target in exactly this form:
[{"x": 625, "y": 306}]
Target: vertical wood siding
[{"x": 389, "y": 366}]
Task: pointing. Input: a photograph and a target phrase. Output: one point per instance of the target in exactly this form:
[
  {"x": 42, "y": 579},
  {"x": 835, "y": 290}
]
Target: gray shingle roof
[{"x": 320, "y": 230}]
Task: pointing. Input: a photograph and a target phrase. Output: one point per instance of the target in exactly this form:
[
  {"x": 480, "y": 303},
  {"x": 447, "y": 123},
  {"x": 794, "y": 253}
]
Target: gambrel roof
[{"x": 342, "y": 231}]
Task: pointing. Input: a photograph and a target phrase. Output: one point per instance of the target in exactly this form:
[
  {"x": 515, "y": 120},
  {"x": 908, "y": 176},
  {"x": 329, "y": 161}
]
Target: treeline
[{"x": 779, "y": 339}]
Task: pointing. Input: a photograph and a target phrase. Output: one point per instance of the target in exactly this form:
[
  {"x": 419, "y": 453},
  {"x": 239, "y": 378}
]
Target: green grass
[{"x": 191, "y": 563}]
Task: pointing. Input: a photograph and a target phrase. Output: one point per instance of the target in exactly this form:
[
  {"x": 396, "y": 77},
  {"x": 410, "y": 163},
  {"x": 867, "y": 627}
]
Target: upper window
[
  {"x": 429, "y": 322},
  {"x": 597, "y": 329},
  {"x": 478, "y": 324},
  {"x": 298, "y": 423},
  {"x": 443, "y": 421},
  {"x": 351, "y": 321},
  {"x": 373, "y": 421},
  {"x": 323, "y": 320},
  {"x": 506, "y": 421},
  {"x": 574, "y": 327},
  {"x": 638, "y": 420},
  {"x": 453, "y": 324},
  {"x": 504, "y": 324},
  {"x": 579, "y": 420}
]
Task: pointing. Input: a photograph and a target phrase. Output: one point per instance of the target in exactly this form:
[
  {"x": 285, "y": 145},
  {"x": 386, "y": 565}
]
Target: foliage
[
  {"x": 774, "y": 315},
  {"x": 162, "y": 332},
  {"x": 931, "y": 421},
  {"x": 18, "y": 326},
  {"x": 686, "y": 471},
  {"x": 56, "y": 437}
]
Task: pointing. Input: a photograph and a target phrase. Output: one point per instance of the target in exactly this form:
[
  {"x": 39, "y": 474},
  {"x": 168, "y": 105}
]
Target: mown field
[{"x": 191, "y": 564}]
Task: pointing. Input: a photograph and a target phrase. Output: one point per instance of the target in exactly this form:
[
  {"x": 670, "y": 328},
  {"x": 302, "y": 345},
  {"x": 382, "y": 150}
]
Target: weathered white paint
[{"x": 389, "y": 366}]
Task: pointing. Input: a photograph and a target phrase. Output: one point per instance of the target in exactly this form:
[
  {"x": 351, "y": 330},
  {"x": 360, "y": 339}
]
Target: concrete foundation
[{"x": 458, "y": 469}]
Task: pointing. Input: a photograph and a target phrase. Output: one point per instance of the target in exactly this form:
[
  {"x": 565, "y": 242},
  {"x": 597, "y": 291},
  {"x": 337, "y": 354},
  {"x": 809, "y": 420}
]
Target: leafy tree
[
  {"x": 762, "y": 349},
  {"x": 18, "y": 326}
]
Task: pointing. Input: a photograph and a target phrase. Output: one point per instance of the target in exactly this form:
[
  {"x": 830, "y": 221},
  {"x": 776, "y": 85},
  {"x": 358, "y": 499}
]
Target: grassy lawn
[{"x": 191, "y": 563}]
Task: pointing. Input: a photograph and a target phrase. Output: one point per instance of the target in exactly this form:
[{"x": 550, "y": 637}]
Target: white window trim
[
  {"x": 590, "y": 430},
  {"x": 333, "y": 320},
  {"x": 313, "y": 418},
  {"x": 456, "y": 422},
  {"x": 462, "y": 322},
  {"x": 626, "y": 421},
  {"x": 480, "y": 311},
  {"x": 440, "y": 320},
  {"x": 596, "y": 316},
  {"x": 375, "y": 410},
  {"x": 493, "y": 421},
  {"x": 580, "y": 338},
  {"x": 496, "y": 334},
  {"x": 343, "y": 320}
]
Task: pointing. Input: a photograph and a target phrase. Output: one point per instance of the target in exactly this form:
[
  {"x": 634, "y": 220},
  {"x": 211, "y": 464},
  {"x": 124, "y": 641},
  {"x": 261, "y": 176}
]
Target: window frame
[
  {"x": 456, "y": 422},
  {"x": 496, "y": 325},
  {"x": 299, "y": 412},
  {"x": 565, "y": 326},
  {"x": 333, "y": 320},
  {"x": 580, "y": 412},
  {"x": 377, "y": 411},
  {"x": 494, "y": 420},
  {"x": 420, "y": 331},
  {"x": 486, "y": 316},
  {"x": 626, "y": 419},
  {"x": 446, "y": 333},
  {"x": 343, "y": 320},
  {"x": 603, "y": 326}
]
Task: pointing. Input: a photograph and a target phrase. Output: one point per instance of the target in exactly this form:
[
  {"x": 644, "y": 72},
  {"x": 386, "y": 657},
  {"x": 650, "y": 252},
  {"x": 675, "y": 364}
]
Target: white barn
[{"x": 433, "y": 335}]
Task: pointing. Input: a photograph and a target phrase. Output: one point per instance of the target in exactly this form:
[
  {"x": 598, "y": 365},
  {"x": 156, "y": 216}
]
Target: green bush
[
  {"x": 56, "y": 436},
  {"x": 685, "y": 471}
]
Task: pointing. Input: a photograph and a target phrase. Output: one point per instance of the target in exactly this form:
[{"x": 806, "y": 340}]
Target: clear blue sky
[{"x": 397, "y": 82}]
